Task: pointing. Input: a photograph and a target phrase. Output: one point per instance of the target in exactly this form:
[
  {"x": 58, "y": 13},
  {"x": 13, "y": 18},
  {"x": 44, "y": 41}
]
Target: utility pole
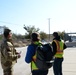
[{"x": 49, "y": 28}]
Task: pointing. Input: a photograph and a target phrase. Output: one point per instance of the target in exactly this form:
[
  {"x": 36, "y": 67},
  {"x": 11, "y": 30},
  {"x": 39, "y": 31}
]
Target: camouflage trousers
[{"x": 8, "y": 71}]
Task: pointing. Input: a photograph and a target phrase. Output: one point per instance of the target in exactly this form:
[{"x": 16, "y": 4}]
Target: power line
[{"x": 8, "y": 23}]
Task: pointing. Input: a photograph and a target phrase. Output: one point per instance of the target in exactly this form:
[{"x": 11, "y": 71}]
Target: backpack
[{"x": 44, "y": 56}]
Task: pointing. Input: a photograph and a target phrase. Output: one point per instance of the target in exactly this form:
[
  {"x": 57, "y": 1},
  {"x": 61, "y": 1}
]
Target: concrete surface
[{"x": 69, "y": 64}]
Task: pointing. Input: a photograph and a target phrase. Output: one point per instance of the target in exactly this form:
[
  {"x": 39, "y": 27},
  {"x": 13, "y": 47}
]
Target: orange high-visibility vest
[{"x": 59, "y": 53}]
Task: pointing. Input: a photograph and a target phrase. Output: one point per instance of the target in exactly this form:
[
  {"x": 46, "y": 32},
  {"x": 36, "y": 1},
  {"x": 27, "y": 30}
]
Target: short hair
[
  {"x": 6, "y": 32},
  {"x": 35, "y": 36},
  {"x": 55, "y": 34}
]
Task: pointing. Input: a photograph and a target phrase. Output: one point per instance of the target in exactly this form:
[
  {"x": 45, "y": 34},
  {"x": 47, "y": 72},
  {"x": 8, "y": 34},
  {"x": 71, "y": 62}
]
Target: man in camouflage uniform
[{"x": 9, "y": 55}]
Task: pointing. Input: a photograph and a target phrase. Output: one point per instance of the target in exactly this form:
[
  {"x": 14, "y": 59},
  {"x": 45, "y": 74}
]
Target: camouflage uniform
[{"x": 9, "y": 57}]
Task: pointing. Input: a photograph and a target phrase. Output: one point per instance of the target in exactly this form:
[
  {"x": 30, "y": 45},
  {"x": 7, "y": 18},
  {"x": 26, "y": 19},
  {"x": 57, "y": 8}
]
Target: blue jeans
[
  {"x": 57, "y": 66},
  {"x": 39, "y": 72}
]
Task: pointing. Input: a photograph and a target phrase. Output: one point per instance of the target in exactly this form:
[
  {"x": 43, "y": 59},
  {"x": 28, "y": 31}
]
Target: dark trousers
[
  {"x": 57, "y": 66},
  {"x": 39, "y": 72}
]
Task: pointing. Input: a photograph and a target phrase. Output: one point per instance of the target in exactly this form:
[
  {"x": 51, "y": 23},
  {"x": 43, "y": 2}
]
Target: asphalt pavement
[{"x": 69, "y": 63}]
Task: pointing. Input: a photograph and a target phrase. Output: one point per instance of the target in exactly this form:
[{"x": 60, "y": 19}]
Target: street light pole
[{"x": 49, "y": 28}]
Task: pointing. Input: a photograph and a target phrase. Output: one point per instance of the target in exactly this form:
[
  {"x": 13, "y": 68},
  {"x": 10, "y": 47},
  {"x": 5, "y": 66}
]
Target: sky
[{"x": 15, "y": 13}]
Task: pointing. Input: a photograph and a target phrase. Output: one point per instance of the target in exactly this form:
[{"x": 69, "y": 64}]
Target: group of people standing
[{"x": 9, "y": 54}]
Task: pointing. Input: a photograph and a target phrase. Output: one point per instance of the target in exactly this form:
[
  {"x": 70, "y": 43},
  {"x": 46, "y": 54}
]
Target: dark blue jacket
[{"x": 30, "y": 53}]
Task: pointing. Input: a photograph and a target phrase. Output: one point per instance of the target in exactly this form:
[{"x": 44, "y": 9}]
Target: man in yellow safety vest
[{"x": 58, "y": 47}]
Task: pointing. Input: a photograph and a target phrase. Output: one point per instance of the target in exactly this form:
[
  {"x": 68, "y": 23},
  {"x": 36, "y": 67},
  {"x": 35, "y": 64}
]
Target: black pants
[
  {"x": 39, "y": 72},
  {"x": 57, "y": 67}
]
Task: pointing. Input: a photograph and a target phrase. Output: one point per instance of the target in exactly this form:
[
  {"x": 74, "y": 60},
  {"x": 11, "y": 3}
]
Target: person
[
  {"x": 9, "y": 55},
  {"x": 58, "y": 48},
  {"x": 30, "y": 55}
]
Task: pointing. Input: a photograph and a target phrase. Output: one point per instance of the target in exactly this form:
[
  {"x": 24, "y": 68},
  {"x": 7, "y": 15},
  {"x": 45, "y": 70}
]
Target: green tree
[
  {"x": 61, "y": 34},
  {"x": 43, "y": 35},
  {"x": 65, "y": 36},
  {"x": 30, "y": 29}
]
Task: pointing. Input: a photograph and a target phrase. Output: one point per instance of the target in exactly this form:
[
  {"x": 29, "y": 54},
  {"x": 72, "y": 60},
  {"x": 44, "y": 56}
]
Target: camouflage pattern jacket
[{"x": 9, "y": 55}]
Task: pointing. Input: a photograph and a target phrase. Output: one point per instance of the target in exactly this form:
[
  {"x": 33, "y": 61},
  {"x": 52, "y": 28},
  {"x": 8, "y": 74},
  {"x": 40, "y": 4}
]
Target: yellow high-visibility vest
[
  {"x": 59, "y": 53},
  {"x": 33, "y": 65}
]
